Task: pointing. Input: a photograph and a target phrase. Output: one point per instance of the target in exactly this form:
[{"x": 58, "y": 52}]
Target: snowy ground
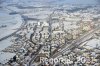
[
  {"x": 12, "y": 22},
  {"x": 39, "y": 14},
  {"x": 93, "y": 43},
  {"x": 5, "y": 43},
  {"x": 5, "y": 57},
  {"x": 70, "y": 25}
]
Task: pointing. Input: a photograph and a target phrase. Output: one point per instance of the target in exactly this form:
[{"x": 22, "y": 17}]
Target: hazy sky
[
  {"x": 60, "y": 1},
  {"x": 80, "y": 1}
]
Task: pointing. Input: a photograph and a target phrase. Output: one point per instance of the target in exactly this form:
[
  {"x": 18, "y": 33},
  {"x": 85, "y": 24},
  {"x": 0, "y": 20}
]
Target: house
[
  {"x": 46, "y": 50},
  {"x": 41, "y": 58},
  {"x": 45, "y": 31}
]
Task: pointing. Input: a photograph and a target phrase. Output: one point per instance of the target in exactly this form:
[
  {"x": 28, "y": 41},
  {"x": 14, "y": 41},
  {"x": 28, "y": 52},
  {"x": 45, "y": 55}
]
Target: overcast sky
[
  {"x": 73, "y": 1},
  {"x": 80, "y": 1},
  {"x": 62, "y": 1}
]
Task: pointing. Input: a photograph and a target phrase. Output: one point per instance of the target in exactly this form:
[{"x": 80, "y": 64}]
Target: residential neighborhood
[{"x": 49, "y": 35}]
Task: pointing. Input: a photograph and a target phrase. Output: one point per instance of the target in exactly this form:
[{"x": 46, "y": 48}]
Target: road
[
  {"x": 49, "y": 21},
  {"x": 31, "y": 36},
  {"x": 69, "y": 48},
  {"x": 35, "y": 56}
]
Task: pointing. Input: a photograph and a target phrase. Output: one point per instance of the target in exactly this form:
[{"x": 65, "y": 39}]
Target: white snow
[
  {"x": 92, "y": 43},
  {"x": 5, "y": 43},
  {"x": 5, "y": 57},
  {"x": 38, "y": 14},
  {"x": 12, "y": 22},
  {"x": 70, "y": 25}
]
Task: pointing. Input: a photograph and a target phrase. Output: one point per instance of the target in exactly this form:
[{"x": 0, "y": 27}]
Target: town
[{"x": 57, "y": 35}]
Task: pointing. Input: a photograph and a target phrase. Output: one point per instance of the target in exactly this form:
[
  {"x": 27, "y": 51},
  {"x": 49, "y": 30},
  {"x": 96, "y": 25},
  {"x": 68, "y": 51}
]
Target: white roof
[
  {"x": 55, "y": 32},
  {"x": 45, "y": 24}
]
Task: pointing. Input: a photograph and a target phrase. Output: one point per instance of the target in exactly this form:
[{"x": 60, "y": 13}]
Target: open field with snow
[{"x": 9, "y": 23}]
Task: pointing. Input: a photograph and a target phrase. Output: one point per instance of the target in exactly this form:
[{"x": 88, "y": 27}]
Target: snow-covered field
[
  {"x": 39, "y": 14},
  {"x": 9, "y": 23},
  {"x": 5, "y": 43},
  {"x": 93, "y": 43},
  {"x": 5, "y": 57}
]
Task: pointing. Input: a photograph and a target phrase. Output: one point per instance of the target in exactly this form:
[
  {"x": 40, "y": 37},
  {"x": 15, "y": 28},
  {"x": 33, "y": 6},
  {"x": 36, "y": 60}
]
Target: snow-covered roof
[
  {"x": 55, "y": 32},
  {"x": 45, "y": 24}
]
